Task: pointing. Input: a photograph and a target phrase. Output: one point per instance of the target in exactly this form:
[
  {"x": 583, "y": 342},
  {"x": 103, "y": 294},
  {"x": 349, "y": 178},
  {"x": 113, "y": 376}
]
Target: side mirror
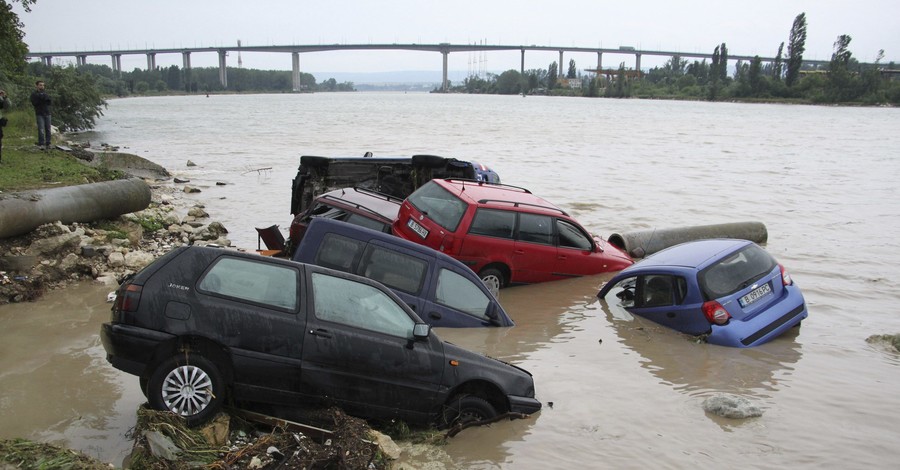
[
  {"x": 421, "y": 331},
  {"x": 491, "y": 313}
]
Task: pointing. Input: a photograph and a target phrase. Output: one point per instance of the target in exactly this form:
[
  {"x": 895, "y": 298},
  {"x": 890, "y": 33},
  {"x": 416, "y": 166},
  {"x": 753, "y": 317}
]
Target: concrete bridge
[{"x": 443, "y": 48}]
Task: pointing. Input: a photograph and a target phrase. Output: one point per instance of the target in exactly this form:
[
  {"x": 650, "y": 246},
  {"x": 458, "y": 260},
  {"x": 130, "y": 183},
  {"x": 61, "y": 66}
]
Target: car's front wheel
[
  {"x": 493, "y": 279},
  {"x": 467, "y": 408},
  {"x": 187, "y": 385}
]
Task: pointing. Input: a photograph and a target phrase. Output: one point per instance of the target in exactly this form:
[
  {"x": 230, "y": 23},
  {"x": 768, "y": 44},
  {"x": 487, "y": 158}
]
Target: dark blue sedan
[{"x": 732, "y": 292}]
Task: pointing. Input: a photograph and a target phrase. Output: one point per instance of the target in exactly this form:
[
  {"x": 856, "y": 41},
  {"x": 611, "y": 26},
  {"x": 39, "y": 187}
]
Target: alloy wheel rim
[
  {"x": 187, "y": 390},
  {"x": 493, "y": 284}
]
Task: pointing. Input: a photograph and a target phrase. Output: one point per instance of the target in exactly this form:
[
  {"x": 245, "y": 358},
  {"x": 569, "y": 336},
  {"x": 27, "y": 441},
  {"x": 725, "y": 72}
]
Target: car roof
[
  {"x": 694, "y": 254},
  {"x": 498, "y": 196},
  {"x": 367, "y": 234}
]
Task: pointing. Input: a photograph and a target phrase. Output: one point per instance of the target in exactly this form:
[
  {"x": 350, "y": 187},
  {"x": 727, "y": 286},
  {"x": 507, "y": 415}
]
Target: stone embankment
[{"x": 57, "y": 254}]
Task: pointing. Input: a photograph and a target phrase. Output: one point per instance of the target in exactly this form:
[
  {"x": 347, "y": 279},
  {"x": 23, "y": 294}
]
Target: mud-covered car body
[
  {"x": 200, "y": 326},
  {"x": 731, "y": 291},
  {"x": 357, "y": 206},
  {"x": 397, "y": 176}
]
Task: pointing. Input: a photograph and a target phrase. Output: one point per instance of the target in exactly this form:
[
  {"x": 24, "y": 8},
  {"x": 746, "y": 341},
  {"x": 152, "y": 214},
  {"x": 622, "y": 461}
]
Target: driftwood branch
[{"x": 468, "y": 424}]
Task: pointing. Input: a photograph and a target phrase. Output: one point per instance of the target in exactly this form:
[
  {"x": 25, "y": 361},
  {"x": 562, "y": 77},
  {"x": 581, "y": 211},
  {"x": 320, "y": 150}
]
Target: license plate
[
  {"x": 422, "y": 231},
  {"x": 755, "y": 295}
]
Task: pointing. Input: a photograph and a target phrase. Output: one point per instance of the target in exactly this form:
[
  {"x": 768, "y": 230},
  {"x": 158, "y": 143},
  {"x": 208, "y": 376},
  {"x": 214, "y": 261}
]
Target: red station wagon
[{"x": 504, "y": 233}]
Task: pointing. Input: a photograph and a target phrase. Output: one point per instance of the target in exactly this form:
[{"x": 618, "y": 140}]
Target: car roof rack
[
  {"x": 517, "y": 204},
  {"x": 483, "y": 183},
  {"x": 377, "y": 193}
]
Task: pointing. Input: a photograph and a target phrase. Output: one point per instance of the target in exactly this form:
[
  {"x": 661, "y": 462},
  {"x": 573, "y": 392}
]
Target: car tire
[
  {"x": 190, "y": 386},
  {"x": 429, "y": 161},
  {"x": 143, "y": 383},
  {"x": 493, "y": 279},
  {"x": 466, "y": 408}
]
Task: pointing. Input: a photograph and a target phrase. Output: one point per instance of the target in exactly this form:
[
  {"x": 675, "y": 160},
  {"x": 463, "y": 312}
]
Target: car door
[
  {"x": 256, "y": 307},
  {"x": 575, "y": 254},
  {"x": 534, "y": 254},
  {"x": 360, "y": 351},
  {"x": 660, "y": 297},
  {"x": 455, "y": 300}
]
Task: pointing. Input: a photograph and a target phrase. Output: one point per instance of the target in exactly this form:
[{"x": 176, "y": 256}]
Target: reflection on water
[
  {"x": 701, "y": 369},
  {"x": 55, "y": 383}
]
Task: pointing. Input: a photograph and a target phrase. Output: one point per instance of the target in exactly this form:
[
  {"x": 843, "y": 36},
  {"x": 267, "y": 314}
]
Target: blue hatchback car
[{"x": 732, "y": 291}]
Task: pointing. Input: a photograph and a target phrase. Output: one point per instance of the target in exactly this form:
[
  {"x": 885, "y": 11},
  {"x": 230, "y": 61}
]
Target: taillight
[
  {"x": 785, "y": 276},
  {"x": 127, "y": 299},
  {"x": 715, "y": 312}
]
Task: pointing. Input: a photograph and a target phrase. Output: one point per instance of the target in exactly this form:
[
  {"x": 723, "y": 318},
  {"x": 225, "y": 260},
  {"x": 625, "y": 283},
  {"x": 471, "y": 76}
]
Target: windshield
[
  {"x": 439, "y": 205},
  {"x": 736, "y": 271}
]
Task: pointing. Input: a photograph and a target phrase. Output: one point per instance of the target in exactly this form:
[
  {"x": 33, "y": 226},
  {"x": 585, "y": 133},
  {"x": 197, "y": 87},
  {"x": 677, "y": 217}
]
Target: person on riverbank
[
  {"x": 4, "y": 105},
  {"x": 41, "y": 102}
]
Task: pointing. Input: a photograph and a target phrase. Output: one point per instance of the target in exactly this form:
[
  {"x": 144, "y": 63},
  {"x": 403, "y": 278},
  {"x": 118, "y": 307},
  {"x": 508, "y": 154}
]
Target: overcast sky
[{"x": 754, "y": 27}]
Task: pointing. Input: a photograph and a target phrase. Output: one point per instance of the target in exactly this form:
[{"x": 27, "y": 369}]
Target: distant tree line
[{"x": 843, "y": 80}]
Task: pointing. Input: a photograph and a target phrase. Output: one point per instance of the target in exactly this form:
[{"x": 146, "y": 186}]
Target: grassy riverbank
[{"x": 25, "y": 166}]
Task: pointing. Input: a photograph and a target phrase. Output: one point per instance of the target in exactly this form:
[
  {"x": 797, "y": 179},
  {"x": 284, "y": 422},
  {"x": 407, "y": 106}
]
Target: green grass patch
[{"x": 24, "y": 166}]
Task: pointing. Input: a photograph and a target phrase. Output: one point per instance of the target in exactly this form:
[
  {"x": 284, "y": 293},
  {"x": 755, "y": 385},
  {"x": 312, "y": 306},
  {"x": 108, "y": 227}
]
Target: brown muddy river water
[{"x": 625, "y": 393}]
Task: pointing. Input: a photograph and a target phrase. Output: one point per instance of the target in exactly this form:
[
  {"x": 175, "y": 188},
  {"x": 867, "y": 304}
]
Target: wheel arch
[
  {"x": 500, "y": 266},
  {"x": 215, "y": 352},
  {"x": 489, "y": 391}
]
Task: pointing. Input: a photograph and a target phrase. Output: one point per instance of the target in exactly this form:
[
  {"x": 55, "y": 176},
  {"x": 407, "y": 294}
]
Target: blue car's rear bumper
[{"x": 762, "y": 328}]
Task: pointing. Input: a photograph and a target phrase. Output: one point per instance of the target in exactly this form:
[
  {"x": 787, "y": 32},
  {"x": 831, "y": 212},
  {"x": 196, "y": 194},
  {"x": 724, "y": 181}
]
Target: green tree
[
  {"x": 840, "y": 87},
  {"x": 76, "y": 100},
  {"x": 776, "y": 69},
  {"x": 12, "y": 44},
  {"x": 796, "y": 47},
  {"x": 509, "y": 82},
  {"x": 572, "y": 73},
  {"x": 551, "y": 75},
  {"x": 723, "y": 62},
  {"x": 754, "y": 76}
]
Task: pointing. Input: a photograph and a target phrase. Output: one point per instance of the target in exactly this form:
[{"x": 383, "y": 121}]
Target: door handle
[
  {"x": 320, "y": 333},
  {"x": 435, "y": 315},
  {"x": 519, "y": 252}
]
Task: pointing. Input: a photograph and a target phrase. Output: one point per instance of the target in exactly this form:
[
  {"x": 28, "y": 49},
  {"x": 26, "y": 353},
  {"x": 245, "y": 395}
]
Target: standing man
[
  {"x": 4, "y": 106},
  {"x": 41, "y": 102}
]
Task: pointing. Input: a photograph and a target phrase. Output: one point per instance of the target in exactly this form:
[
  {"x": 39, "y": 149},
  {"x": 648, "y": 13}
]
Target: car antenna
[{"x": 647, "y": 245}]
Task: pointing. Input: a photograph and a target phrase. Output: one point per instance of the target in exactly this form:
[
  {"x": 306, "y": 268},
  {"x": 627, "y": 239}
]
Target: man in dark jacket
[{"x": 41, "y": 102}]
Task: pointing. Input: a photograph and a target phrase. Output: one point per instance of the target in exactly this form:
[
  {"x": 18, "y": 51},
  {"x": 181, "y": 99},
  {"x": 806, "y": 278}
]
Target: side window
[
  {"x": 493, "y": 223},
  {"x": 339, "y": 252},
  {"x": 457, "y": 292},
  {"x": 270, "y": 284},
  {"x": 393, "y": 269},
  {"x": 535, "y": 228},
  {"x": 571, "y": 237},
  {"x": 655, "y": 291},
  {"x": 359, "y": 305}
]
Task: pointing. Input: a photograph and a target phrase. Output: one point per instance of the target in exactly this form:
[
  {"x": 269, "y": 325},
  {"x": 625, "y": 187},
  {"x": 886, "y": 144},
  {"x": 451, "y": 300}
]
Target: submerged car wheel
[
  {"x": 493, "y": 279},
  {"x": 467, "y": 408},
  {"x": 187, "y": 385}
]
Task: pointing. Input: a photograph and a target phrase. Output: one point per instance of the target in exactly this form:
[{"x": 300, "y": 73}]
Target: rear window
[
  {"x": 736, "y": 271},
  {"x": 439, "y": 205}
]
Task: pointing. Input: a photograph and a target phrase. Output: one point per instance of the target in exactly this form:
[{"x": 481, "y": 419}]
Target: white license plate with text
[
  {"x": 755, "y": 295},
  {"x": 422, "y": 231}
]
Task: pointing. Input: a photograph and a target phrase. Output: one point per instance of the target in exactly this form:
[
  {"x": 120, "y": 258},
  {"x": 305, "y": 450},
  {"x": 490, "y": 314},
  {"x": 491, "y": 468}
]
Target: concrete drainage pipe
[
  {"x": 643, "y": 243},
  {"x": 24, "y": 211}
]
